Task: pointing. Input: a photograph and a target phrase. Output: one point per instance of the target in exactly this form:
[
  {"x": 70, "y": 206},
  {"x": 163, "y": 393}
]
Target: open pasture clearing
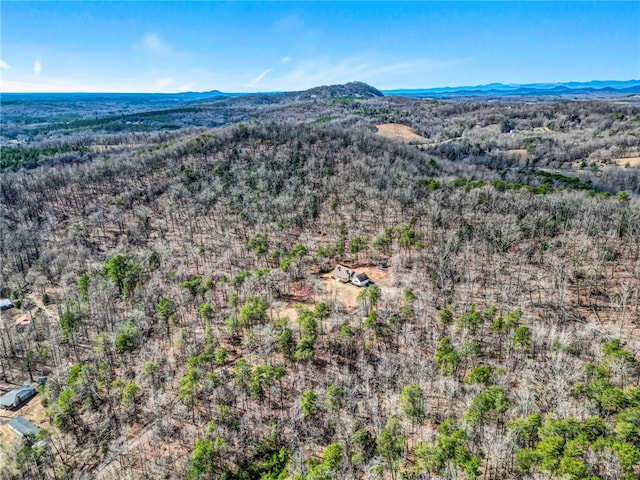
[
  {"x": 628, "y": 161},
  {"x": 399, "y": 132}
]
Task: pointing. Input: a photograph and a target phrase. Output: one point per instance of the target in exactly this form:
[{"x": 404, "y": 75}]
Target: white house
[
  {"x": 360, "y": 279},
  {"x": 346, "y": 275}
]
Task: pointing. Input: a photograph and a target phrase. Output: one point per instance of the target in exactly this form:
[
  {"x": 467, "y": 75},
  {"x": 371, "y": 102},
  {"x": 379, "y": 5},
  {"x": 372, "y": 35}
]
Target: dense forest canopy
[{"x": 176, "y": 266}]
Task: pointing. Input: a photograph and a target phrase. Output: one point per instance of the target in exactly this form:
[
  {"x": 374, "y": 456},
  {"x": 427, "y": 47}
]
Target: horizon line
[{"x": 271, "y": 92}]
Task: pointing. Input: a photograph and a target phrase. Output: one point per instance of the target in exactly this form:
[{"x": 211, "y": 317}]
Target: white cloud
[
  {"x": 163, "y": 82},
  {"x": 51, "y": 85},
  {"x": 10, "y": 82},
  {"x": 37, "y": 67},
  {"x": 153, "y": 43},
  {"x": 289, "y": 23},
  {"x": 286, "y": 59},
  {"x": 4, "y": 65},
  {"x": 367, "y": 67},
  {"x": 187, "y": 87},
  {"x": 383, "y": 72},
  {"x": 326, "y": 72},
  {"x": 258, "y": 79}
]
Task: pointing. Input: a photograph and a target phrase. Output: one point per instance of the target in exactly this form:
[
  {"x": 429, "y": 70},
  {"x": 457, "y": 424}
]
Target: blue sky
[{"x": 270, "y": 46}]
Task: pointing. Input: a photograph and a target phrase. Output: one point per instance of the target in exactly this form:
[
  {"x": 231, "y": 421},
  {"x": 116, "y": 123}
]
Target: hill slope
[{"x": 185, "y": 314}]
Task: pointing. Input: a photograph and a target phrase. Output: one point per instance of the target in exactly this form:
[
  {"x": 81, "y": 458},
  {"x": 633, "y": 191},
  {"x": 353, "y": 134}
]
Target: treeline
[
  {"x": 583, "y": 139},
  {"x": 16, "y": 158}
]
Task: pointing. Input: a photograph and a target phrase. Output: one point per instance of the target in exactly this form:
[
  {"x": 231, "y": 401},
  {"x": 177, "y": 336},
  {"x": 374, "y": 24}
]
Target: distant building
[
  {"x": 17, "y": 397},
  {"x": 23, "y": 427},
  {"x": 5, "y": 304}
]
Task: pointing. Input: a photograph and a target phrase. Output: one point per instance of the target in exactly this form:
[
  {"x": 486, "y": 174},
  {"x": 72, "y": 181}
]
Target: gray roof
[
  {"x": 15, "y": 398},
  {"x": 342, "y": 272},
  {"x": 362, "y": 277},
  {"x": 5, "y": 304},
  {"x": 22, "y": 426}
]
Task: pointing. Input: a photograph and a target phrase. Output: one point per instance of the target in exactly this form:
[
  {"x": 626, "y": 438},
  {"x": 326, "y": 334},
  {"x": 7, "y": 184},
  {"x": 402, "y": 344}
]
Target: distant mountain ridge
[
  {"x": 593, "y": 89},
  {"x": 596, "y": 87},
  {"x": 351, "y": 89}
]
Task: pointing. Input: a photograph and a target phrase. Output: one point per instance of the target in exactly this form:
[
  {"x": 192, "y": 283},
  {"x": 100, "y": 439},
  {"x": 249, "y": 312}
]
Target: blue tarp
[{"x": 22, "y": 426}]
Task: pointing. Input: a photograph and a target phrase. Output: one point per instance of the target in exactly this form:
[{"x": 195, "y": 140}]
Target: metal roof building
[
  {"x": 22, "y": 426},
  {"x": 5, "y": 304},
  {"x": 17, "y": 397}
]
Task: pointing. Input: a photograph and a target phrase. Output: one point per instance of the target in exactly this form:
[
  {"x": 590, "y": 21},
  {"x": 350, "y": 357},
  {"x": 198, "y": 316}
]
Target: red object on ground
[{"x": 24, "y": 319}]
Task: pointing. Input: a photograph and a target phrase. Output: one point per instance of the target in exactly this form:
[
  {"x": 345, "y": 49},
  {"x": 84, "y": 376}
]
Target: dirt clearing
[
  {"x": 518, "y": 154},
  {"x": 346, "y": 294},
  {"x": 343, "y": 296},
  {"x": 630, "y": 161},
  {"x": 400, "y": 132},
  {"x": 34, "y": 412}
]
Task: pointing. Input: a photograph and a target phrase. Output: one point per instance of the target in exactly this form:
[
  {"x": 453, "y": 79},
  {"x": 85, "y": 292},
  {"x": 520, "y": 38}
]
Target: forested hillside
[{"x": 184, "y": 313}]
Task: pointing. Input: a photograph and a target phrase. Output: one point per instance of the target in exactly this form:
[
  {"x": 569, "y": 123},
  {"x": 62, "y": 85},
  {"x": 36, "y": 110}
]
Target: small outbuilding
[
  {"x": 5, "y": 304},
  {"x": 17, "y": 397},
  {"x": 23, "y": 427}
]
